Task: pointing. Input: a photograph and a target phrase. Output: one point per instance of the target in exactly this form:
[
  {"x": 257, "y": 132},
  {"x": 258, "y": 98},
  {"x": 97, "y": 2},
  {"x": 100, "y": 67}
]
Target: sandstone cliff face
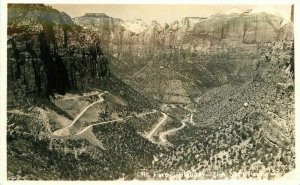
[
  {"x": 68, "y": 55},
  {"x": 241, "y": 27},
  {"x": 109, "y": 29},
  {"x": 286, "y": 32},
  {"x": 48, "y": 53},
  {"x": 98, "y": 21},
  {"x": 186, "y": 24},
  {"x": 246, "y": 27},
  {"x": 190, "y": 35},
  {"x": 35, "y": 14},
  {"x": 197, "y": 42}
]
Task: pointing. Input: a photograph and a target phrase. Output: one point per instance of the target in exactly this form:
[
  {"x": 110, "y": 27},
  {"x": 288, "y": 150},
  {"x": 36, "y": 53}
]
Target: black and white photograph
[{"x": 108, "y": 91}]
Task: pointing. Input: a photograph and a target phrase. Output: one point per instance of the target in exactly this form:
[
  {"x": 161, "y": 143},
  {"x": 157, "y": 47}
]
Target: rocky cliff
[
  {"x": 245, "y": 27},
  {"x": 242, "y": 26},
  {"x": 229, "y": 84},
  {"x": 107, "y": 27},
  {"x": 142, "y": 54},
  {"x": 48, "y": 53}
]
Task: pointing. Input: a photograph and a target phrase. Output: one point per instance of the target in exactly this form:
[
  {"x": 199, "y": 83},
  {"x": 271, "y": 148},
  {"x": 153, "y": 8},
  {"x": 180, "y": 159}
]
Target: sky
[{"x": 163, "y": 13}]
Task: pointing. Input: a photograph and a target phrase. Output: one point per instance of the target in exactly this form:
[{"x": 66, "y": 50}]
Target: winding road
[
  {"x": 116, "y": 120},
  {"x": 157, "y": 126},
  {"x": 65, "y": 131},
  {"x": 163, "y": 135},
  {"x": 101, "y": 123},
  {"x": 191, "y": 119}
]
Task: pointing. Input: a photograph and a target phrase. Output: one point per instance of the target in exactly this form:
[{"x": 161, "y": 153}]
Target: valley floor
[{"x": 218, "y": 147}]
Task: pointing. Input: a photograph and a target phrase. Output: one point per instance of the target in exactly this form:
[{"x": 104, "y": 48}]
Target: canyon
[{"x": 100, "y": 98}]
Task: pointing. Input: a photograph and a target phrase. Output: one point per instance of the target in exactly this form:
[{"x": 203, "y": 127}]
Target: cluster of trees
[
  {"x": 233, "y": 136},
  {"x": 238, "y": 151},
  {"x": 125, "y": 153},
  {"x": 170, "y": 123},
  {"x": 145, "y": 123}
]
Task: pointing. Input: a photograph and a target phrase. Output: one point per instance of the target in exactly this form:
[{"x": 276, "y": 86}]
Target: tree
[{"x": 103, "y": 115}]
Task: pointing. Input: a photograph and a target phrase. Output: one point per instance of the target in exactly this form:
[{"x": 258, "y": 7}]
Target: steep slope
[
  {"x": 45, "y": 49},
  {"x": 259, "y": 27},
  {"x": 109, "y": 29},
  {"x": 54, "y": 67},
  {"x": 244, "y": 130},
  {"x": 34, "y": 155},
  {"x": 193, "y": 49},
  {"x": 239, "y": 26},
  {"x": 201, "y": 98}
]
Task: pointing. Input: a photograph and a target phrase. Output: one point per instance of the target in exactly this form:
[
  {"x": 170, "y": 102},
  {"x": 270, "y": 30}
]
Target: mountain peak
[
  {"x": 233, "y": 11},
  {"x": 95, "y": 15}
]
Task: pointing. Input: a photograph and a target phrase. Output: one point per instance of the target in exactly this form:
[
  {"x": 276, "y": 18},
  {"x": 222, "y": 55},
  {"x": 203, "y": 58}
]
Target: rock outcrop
[
  {"x": 48, "y": 53},
  {"x": 245, "y": 27},
  {"x": 109, "y": 29},
  {"x": 238, "y": 26},
  {"x": 197, "y": 42}
]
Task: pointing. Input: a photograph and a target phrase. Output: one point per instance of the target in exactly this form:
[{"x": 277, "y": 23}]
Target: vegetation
[{"x": 241, "y": 96}]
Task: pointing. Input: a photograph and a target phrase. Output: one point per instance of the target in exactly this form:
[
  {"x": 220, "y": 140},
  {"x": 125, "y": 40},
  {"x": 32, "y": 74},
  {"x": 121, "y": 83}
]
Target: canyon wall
[
  {"x": 246, "y": 27},
  {"x": 48, "y": 53}
]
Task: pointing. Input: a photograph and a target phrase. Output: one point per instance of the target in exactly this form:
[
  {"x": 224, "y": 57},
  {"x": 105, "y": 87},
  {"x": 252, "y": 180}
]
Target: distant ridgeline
[
  {"x": 233, "y": 26},
  {"x": 48, "y": 53},
  {"x": 95, "y": 15}
]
